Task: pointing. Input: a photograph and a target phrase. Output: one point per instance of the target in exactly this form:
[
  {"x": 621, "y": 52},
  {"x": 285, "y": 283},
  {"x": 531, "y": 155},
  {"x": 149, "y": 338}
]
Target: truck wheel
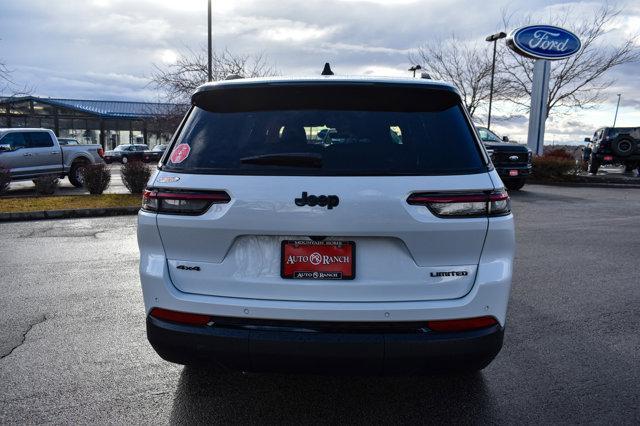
[
  {"x": 124, "y": 160},
  {"x": 515, "y": 184},
  {"x": 594, "y": 165},
  {"x": 76, "y": 173}
]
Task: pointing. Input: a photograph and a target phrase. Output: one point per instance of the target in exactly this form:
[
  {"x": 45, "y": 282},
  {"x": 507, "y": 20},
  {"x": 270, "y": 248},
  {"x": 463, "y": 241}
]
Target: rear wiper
[{"x": 292, "y": 159}]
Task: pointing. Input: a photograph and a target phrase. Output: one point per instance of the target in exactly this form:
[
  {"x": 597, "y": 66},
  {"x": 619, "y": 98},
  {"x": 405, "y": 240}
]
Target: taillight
[
  {"x": 101, "y": 152},
  {"x": 181, "y": 202},
  {"x": 495, "y": 203},
  {"x": 180, "y": 317},
  {"x": 466, "y": 324}
]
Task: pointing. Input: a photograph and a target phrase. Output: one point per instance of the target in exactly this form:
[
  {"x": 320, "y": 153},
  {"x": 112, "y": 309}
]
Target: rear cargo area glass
[{"x": 327, "y": 131}]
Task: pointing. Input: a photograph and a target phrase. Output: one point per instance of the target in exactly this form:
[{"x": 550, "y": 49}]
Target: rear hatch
[{"x": 309, "y": 187}]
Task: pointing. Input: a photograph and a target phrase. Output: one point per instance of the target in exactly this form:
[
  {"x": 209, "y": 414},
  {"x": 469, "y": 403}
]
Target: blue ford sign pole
[{"x": 543, "y": 43}]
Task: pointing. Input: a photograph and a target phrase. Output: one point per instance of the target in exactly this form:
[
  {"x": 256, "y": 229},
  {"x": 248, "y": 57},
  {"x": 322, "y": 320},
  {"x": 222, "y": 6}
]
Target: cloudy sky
[{"x": 106, "y": 49}]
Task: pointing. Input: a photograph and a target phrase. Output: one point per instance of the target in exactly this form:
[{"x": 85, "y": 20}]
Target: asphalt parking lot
[{"x": 73, "y": 346}]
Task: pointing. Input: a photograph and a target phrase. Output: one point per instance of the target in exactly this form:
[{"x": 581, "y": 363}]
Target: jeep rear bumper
[
  {"x": 600, "y": 156},
  {"x": 297, "y": 348}
]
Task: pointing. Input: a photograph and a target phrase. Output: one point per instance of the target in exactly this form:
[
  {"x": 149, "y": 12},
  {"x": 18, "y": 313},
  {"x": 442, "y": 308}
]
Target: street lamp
[
  {"x": 414, "y": 69},
  {"x": 617, "y": 106},
  {"x": 209, "y": 65},
  {"x": 494, "y": 38}
]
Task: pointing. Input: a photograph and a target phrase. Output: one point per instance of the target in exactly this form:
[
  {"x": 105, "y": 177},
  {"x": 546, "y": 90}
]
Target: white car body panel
[
  {"x": 237, "y": 245},
  {"x": 488, "y": 296}
]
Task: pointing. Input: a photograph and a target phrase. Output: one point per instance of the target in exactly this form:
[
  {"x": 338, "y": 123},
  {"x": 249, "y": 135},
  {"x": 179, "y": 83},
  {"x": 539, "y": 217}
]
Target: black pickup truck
[{"x": 511, "y": 160}]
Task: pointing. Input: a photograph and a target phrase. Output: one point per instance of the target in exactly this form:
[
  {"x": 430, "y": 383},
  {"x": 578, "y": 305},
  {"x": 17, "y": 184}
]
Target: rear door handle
[
  {"x": 54, "y": 153},
  {"x": 27, "y": 154}
]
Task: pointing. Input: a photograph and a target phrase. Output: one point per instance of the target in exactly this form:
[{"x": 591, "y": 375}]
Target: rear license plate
[
  {"x": 318, "y": 260},
  {"x": 513, "y": 173}
]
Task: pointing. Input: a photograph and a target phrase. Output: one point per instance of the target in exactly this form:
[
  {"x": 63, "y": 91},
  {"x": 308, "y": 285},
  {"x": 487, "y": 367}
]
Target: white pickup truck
[{"x": 29, "y": 153}]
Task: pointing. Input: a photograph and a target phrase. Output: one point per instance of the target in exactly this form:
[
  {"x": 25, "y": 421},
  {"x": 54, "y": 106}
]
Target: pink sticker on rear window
[{"x": 180, "y": 153}]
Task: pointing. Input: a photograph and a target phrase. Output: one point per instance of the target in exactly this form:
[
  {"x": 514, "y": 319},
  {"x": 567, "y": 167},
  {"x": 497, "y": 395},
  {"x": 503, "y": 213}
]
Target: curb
[
  {"x": 67, "y": 214},
  {"x": 586, "y": 184}
]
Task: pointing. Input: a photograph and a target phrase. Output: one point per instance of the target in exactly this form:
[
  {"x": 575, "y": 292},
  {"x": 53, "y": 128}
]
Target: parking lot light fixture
[
  {"x": 493, "y": 38},
  {"x": 615, "y": 117},
  {"x": 209, "y": 44}
]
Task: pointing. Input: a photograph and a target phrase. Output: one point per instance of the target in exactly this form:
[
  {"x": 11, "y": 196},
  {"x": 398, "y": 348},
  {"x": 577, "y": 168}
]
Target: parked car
[
  {"x": 614, "y": 145},
  {"x": 511, "y": 160},
  {"x": 261, "y": 249},
  {"x": 124, "y": 153},
  {"x": 68, "y": 141},
  {"x": 30, "y": 153},
  {"x": 154, "y": 154}
]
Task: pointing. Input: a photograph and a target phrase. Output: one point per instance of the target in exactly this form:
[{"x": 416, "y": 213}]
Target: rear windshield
[{"x": 302, "y": 132}]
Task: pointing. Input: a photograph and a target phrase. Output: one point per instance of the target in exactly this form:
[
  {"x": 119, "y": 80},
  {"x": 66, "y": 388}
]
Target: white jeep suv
[{"x": 326, "y": 224}]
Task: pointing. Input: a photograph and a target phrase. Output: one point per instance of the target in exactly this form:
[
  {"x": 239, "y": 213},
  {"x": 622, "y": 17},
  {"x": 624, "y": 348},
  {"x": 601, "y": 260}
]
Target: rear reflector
[
  {"x": 608, "y": 158},
  {"x": 466, "y": 324},
  {"x": 181, "y": 202},
  {"x": 495, "y": 203},
  {"x": 180, "y": 317}
]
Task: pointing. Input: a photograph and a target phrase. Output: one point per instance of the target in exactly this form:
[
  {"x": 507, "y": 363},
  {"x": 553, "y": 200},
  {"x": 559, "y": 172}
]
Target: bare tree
[
  {"x": 576, "y": 82},
  {"x": 178, "y": 80},
  {"x": 164, "y": 117},
  {"x": 8, "y": 87},
  {"x": 466, "y": 65}
]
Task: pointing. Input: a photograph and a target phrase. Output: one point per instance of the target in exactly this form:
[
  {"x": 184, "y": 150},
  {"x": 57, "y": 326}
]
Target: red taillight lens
[
  {"x": 181, "y": 202},
  {"x": 608, "y": 158},
  {"x": 465, "y": 324},
  {"x": 464, "y": 205},
  {"x": 101, "y": 152},
  {"x": 180, "y": 317}
]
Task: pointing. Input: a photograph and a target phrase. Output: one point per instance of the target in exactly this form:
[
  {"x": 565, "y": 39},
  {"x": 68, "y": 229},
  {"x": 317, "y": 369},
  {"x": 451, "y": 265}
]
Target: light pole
[
  {"x": 209, "y": 53},
  {"x": 615, "y": 117},
  {"x": 494, "y": 38},
  {"x": 414, "y": 69}
]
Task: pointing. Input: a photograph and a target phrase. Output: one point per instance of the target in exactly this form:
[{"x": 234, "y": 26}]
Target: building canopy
[{"x": 90, "y": 121}]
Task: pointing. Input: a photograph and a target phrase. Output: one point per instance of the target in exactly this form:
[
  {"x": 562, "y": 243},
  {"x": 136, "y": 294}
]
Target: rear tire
[
  {"x": 515, "y": 184},
  {"x": 594, "y": 165},
  {"x": 76, "y": 173}
]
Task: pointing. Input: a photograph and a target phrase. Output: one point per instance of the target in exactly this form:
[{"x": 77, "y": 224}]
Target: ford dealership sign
[{"x": 544, "y": 42}]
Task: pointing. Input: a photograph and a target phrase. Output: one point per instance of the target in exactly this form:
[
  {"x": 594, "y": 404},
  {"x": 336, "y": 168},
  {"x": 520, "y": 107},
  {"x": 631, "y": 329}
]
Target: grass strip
[{"x": 68, "y": 202}]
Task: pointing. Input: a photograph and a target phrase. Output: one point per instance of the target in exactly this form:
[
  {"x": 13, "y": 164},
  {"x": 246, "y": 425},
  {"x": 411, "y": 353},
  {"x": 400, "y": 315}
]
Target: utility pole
[
  {"x": 615, "y": 118},
  {"x": 414, "y": 69},
  {"x": 209, "y": 52},
  {"x": 494, "y": 38}
]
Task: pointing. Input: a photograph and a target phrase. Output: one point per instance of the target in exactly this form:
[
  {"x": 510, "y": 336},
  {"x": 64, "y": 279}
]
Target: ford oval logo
[{"x": 544, "y": 42}]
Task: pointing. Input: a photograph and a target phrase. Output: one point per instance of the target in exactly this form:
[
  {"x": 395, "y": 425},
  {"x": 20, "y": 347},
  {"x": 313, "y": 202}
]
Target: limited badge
[
  {"x": 180, "y": 153},
  {"x": 168, "y": 179}
]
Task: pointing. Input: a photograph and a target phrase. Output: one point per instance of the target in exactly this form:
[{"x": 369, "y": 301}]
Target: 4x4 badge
[{"x": 328, "y": 201}]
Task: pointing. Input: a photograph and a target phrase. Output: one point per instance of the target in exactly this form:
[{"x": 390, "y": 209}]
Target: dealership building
[{"x": 109, "y": 123}]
